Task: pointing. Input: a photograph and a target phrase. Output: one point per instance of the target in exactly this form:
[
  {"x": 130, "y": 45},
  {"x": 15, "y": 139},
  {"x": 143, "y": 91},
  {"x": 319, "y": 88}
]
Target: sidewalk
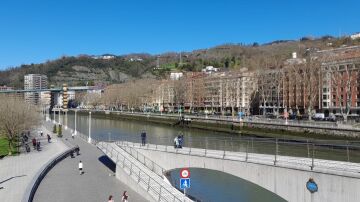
[
  {"x": 63, "y": 182},
  {"x": 17, "y": 172}
]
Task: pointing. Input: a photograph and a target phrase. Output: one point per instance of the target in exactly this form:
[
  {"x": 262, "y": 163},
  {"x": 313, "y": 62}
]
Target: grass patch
[{"x": 4, "y": 145}]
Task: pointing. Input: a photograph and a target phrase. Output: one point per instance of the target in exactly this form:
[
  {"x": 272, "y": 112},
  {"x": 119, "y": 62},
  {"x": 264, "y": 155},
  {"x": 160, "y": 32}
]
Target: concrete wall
[
  {"x": 289, "y": 184},
  {"x": 125, "y": 178}
]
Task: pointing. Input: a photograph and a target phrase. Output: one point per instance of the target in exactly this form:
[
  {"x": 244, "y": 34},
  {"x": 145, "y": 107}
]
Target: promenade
[
  {"x": 63, "y": 182},
  {"x": 17, "y": 172}
]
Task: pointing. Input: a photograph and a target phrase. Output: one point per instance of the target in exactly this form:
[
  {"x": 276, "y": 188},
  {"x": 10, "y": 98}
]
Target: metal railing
[
  {"x": 154, "y": 167},
  {"x": 152, "y": 186},
  {"x": 325, "y": 166},
  {"x": 251, "y": 119},
  {"x": 308, "y": 154}
]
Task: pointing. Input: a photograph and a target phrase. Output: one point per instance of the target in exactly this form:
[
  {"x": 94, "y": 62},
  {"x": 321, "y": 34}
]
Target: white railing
[
  {"x": 152, "y": 186},
  {"x": 320, "y": 165}
]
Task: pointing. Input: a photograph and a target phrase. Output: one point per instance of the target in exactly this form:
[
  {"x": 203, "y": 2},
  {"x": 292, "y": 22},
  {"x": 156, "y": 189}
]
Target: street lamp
[
  {"x": 54, "y": 115},
  {"x": 65, "y": 122},
  {"x": 75, "y": 132},
  {"x": 59, "y": 115},
  {"x": 89, "y": 139}
]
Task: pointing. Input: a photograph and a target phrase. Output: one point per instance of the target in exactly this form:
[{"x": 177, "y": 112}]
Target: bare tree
[
  {"x": 16, "y": 116},
  {"x": 265, "y": 88},
  {"x": 343, "y": 80},
  {"x": 311, "y": 83}
]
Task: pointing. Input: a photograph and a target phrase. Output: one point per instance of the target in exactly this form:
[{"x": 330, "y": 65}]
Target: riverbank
[{"x": 234, "y": 127}]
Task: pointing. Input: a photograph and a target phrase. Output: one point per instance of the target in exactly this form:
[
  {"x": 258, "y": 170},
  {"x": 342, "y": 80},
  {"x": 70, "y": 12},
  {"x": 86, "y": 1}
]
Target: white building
[
  {"x": 176, "y": 75},
  {"x": 210, "y": 69},
  {"x": 34, "y": 82},
  {"x": 355, "y": 36}
]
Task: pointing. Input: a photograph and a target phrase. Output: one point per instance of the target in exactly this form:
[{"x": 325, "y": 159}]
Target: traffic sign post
[
  {"x": 184, "y": 184},
  {"x": 184, "y": 179},
  {"x": 185, "y": 173}
]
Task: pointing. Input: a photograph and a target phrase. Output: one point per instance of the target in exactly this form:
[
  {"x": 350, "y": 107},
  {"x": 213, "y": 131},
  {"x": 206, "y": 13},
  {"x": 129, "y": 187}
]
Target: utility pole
[
  {"x": 180, "y": 62},
  {"x": 158, "y": 62}
]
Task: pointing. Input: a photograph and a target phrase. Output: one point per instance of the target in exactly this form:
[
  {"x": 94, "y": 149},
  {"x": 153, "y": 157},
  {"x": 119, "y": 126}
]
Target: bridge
[
  {"x": 75, "y": 88},
  {"x": 285, "y": 176}
]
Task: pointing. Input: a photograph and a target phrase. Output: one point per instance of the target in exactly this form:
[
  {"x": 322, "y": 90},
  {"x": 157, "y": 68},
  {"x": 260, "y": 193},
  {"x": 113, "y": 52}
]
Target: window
[
  {"x": 334, "y": 104},
  {"x": 325, "y": 104}
]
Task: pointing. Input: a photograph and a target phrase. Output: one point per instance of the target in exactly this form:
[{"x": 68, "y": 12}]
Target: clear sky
[{"x": 33, "y": 31}]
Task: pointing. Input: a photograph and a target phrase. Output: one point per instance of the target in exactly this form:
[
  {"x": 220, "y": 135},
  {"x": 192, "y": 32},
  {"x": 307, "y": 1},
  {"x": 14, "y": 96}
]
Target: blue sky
[{"x": 39, "y": 30}]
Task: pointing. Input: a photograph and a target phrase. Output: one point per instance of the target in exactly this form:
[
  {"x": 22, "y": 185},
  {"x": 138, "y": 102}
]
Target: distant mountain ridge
[{"x": 109, "y": 68}]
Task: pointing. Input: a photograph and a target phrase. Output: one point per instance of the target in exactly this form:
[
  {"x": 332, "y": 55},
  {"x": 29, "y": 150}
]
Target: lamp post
[
  {"x": 59, "y": 115},
  {"x": 75, "y": 132},
  {"x": 54, "y": 115},
  {"x": 65, "y": 122},
  {"x": 89, "y": 139}
]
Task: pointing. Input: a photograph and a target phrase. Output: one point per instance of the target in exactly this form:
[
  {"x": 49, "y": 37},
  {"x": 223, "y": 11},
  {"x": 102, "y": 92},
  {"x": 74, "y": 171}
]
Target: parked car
[{"x": 319, "y": 117}]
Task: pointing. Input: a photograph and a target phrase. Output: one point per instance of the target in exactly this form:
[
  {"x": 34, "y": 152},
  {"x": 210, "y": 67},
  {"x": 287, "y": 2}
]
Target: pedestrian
[
  {"x": 72, "y": 135},
  {"x": 180, "y": 141},
  {"x": 48, "y": 137},
  {"x": 81, "y": 168},
  {"x": 38, "y": 145},
  {"x": 34, "y": 143},
  {"x": 41, "y": 133},
  {"x": 77, "y": 150},
  {"x": 124, "y": 197},
  {"x": 143, "y": 138},
  {"x": 176, "y": 142},
  {"x": 111, "y": 199}
]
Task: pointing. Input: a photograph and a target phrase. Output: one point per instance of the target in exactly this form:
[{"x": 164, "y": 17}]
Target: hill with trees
[{"x": 89, "y": 70}]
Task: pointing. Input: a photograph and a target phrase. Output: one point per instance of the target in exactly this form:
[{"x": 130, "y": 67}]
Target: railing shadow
[{"x": 107, "y": 162}]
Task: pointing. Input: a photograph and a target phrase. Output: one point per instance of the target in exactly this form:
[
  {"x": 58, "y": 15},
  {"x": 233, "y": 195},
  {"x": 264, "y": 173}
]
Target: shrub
[
  {"x": 54, "y": 129},
  {"x": 60, "y": 131}
]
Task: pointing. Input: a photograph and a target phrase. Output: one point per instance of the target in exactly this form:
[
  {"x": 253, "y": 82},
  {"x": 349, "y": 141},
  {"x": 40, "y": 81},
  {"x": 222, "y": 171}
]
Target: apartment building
[
  {"x": 36, "y": 82},
  {"x": 340, "y": 86}
]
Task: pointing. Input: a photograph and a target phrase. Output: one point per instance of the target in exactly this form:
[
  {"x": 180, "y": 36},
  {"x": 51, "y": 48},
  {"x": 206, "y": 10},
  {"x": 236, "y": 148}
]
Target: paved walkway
[
  {"x": 17, "y": 172},
  {"x": 64, "y": 184}
]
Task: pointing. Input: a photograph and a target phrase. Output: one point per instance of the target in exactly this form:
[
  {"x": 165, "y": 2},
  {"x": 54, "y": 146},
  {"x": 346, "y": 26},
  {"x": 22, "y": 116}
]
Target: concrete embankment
[{"x": 228, "y": 126}]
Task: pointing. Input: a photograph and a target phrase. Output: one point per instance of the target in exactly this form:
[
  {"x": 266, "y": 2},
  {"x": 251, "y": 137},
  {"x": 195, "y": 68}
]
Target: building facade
[{"x": 36, "y": 82}]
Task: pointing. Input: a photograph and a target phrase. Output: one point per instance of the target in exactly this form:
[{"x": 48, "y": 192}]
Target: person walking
[
  {"x": 34, "y": 142},
  {"x": 124, "y": 197},
  {"x": 143, "y": 138},
  {"x": 48, "y": 138},
  {"x": 41, "y": 133},
  {"x": 176, "y": 142},
  {"x": 81, "y": 168},
  {"x": 111, "y": 199}
]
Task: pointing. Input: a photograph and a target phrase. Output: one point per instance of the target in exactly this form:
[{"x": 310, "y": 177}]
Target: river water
[{"x": 206, "y": 185}]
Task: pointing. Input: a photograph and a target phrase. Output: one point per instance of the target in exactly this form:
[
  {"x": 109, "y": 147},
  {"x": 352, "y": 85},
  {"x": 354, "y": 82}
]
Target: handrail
[
  {"x": 138, "y": 173},
  {"x": 275, "y": 159},
  {"x": 126, "y": 147}
]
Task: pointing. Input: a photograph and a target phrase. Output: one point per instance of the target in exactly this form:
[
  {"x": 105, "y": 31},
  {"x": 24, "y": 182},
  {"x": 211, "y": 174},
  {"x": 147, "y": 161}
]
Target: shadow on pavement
[
  {"x": 108, "y": 162},
  {"x": 12, "y": 178}
]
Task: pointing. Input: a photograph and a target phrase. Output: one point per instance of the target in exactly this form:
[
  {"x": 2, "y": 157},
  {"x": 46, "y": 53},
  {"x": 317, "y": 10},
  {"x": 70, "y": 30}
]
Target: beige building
[{"x": 35, "y": 82}]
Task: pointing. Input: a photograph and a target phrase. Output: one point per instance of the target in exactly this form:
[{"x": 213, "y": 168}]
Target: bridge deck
[
  {"x": 317, "y": 165},
  {"x": 146, "y": 178}
]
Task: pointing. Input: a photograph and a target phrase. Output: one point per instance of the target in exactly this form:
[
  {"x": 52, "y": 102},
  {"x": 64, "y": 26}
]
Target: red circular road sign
[{"x": 185, "y": 173}]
